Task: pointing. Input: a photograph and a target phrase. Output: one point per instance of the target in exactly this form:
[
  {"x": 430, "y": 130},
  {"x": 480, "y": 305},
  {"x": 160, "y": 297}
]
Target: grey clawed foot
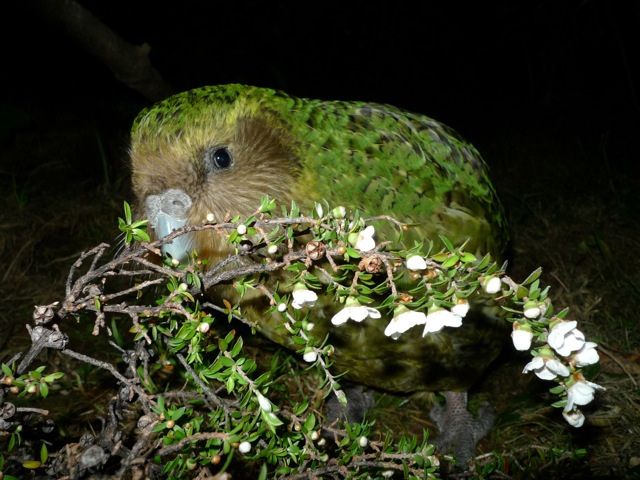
[{"x": 459, "y": 430}]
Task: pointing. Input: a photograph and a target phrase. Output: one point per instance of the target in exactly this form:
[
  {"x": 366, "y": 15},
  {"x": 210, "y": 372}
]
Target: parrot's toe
[{"x": 459, "y": 430}]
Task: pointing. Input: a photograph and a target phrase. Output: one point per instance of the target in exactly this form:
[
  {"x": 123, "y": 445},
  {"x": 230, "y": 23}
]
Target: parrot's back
[{"x": 385, "y": 161}]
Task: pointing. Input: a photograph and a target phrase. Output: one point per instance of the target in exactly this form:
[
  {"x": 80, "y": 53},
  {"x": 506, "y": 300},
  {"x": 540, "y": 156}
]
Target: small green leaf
[
  {"x": 301, "y": 408},
  {"x": 52, "y": 377},
  {"x": 231, "y": 383},
  {"x": 31, "y": 464},
  {"x": 440, "y": 257},
  {"x": 140, "y": 235},
  {"x": 451, "y": 261},
  {"x": 533, "y": 276},
  {"x": 446, "y": 242},
  {"x": 237, "y": 347},
  {"x": 309, "y": 423},
  {"x": 6, "y": 370},
  {"x": 127, "y": 213},
  {"x": 468, "y": 257},
  {"x": 44, "y": 453}
]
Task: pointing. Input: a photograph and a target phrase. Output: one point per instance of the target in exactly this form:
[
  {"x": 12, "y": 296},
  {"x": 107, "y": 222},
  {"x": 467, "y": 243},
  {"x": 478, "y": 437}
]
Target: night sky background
[
  {"x": 488, "y": 69},
  {"x": 549, "y": 92}
]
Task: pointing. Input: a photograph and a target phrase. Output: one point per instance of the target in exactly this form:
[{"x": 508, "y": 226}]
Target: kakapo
[{"x": 220, "y": 149}]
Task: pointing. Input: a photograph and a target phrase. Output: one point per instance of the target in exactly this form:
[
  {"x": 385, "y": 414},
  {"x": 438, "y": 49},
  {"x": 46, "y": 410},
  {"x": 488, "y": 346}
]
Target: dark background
[
  {"x": 486, "y": 68},
  {"x": 547, "y": 90}
]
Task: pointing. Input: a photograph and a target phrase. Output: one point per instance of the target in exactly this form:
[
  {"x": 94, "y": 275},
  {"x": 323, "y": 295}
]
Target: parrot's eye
[{"x": 217, "y": 158}]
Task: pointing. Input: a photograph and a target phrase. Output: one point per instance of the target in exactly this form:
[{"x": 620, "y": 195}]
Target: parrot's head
[{"x": 210, "y": 151}]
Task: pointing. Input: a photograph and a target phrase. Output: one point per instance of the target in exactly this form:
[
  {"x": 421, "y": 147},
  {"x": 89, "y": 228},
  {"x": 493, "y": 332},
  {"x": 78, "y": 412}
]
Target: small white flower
[
  {"x": 310, "y": 356},
  {"x": 354, "y": 311},
  {"x": 403, "y": 319},
  {"x": 183, "y": 287},
  {"x": 241, "y": 229},
  {"x": 203, "y": 327},
  {"x": 492, "y": 285},
  {"x": 532, "y": 310},
  {"x": 521, "y": 336},
  {"x": 363, "y": 441},
  {"x": 282, "y": 307},
  {"x": 440, "y": 318},
  {"x": 175, "y": 262},
  {"x": 210, "y": 217},
  {"x": 322, "y": 442},
  {"x": 272, "y": 249},
  {"x": 319, "y": 210},
  {"x": 587, "y": 355},
  {"x": 575, "y": 418},
  {"x": 546, "y": 368},
  {"x": 416, "y": 262},
  {"x": 461, "y": 308},
  {"x": 581, "y": 393},
  {"x": 565, "y": 338},
  {"x": 244, "y": 447},
  {"x": 303, "y": 297},
  {"x": 365, "y": 241},
  {"x": 265, "y": 404},
  {"x": 309, "y": 326},
  {"x": 315, "y": 435}
]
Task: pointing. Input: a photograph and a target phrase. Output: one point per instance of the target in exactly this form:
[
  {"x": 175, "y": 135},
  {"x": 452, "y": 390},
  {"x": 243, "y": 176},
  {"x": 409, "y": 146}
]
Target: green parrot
[{"x": 218, "y": 150}]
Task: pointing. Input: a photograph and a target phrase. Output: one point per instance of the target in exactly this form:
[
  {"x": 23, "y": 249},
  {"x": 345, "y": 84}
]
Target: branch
[{"x": 129, "y": 63}]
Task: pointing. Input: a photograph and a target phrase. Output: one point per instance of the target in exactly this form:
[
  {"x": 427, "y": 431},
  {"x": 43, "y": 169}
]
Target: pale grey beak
[{"x": 167, "y": 212}]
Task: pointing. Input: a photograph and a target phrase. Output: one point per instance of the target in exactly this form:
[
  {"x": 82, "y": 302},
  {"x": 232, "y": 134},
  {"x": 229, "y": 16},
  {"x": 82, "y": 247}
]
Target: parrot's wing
[{"x": 383, "y": 160}]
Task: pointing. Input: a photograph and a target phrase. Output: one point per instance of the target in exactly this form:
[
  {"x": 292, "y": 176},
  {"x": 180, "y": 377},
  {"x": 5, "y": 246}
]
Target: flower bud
[
  {"x": 492, "y": 285},
  {"x": 244, "y": 447},
  {"x": 310, "y": 356},
  {"x": 339, "y": 212},
  {"x": 532, "y": 310},
  {"x": 416, "y": 262},
  {"x": 241, "y": 229}
]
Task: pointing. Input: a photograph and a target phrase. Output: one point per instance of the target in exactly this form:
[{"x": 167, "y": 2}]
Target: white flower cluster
[
  {"x": 437, "y": 318},
  {"x": 403, "y": 318},
  {"x": 354, "y": 311},
  {"x": 567, "y": 350}
]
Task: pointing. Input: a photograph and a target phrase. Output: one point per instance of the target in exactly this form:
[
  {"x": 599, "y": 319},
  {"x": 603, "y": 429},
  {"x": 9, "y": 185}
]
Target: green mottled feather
[{"x": 381, "y": 160}]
